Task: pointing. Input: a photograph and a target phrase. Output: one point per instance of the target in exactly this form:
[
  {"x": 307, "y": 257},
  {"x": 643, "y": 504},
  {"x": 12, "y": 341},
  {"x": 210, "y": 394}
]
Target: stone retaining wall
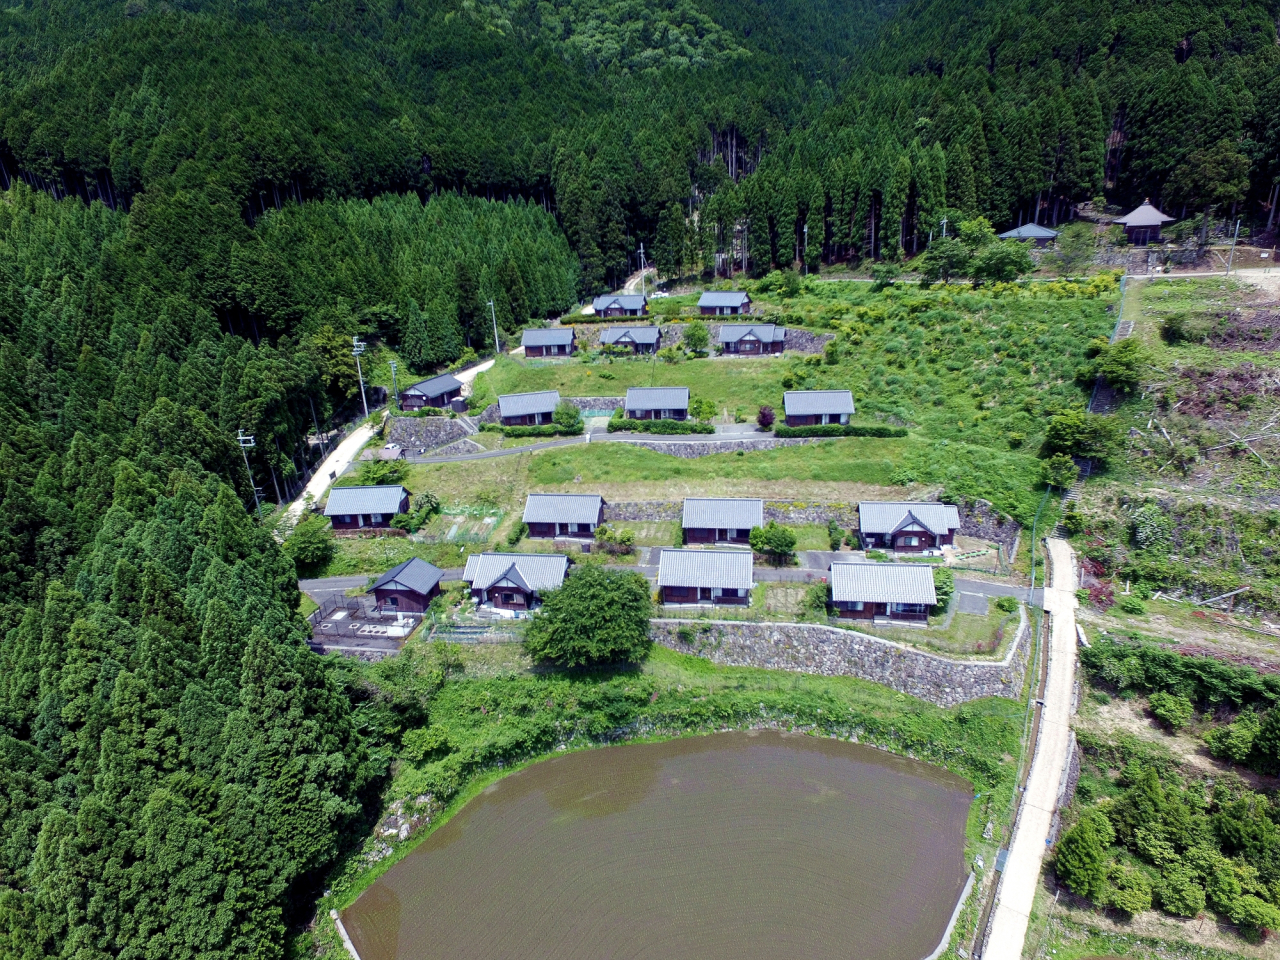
[
  {"x": 978, "y": 518},
  {"x": 830, "y": 651},
  {"x": 418, "y": 433},
  {"x": 689, "y": 449},
  {"x": 644, "y": 511},
  {"x": 793, "y": 512},
  {"x": 458, "y": 448},
  {"x": 595, "y": 403}
]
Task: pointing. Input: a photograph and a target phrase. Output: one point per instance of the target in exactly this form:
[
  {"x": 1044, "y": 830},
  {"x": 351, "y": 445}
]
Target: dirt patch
[
  {"x": 1225, "y": 393},
  {"x": 1240, "y": 330}
]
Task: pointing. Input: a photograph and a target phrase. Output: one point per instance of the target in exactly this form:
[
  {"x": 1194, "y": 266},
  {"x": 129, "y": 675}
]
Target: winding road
[{"x": 1021, "y": 877}]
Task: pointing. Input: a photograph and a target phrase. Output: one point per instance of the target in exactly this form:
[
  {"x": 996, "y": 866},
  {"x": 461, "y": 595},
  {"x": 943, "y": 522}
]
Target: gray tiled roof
[
  {"x": 722, "y": 513},
  {"x": 436, "y": 385},
  {"x": 553, "y": 337},
  {"x": 414, "y": 574},
  {"x": 882, "y": 583},
  {"x": 1029, "y": 231},
  {"x": 562, "y": 508},
  {"x": 807, "y": 403},
  {"x": 636, "y": 334},
  {"x": 540, "y": 571},
  {"x": 523, "y": 404},
  {"x": 881, "y": 517},
  {"x": 657, "y": 398},
  {"x": 723, "y": 298},
  {"x": 1144, "y": 216},
  {"x": 764, "y": 332},
  {"x": 705, "y": 568},
  {"x": 345, "y": 501},
  {"x": 627, "y": 301}
]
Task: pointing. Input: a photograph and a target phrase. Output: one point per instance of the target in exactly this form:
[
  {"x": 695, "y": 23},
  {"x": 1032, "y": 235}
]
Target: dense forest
[{"x": 204, "y": 201}]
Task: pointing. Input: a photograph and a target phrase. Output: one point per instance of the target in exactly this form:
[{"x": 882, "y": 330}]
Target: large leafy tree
[{"x": 597, "y": 616}]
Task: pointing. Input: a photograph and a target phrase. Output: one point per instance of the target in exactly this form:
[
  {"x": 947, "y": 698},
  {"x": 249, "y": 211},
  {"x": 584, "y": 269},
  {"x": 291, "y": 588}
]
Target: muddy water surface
[{"x": 735, "y": 845}]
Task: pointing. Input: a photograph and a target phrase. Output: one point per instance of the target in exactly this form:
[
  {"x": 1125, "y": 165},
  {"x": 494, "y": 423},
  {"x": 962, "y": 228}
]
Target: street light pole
[
  {"x": 642, "y": 268},
  {"x": 1232, "y": 255},
  {"x": 357, "y": 348},
  {"x": 247, "y": 443},
  {"x": 494, "y": 317}
]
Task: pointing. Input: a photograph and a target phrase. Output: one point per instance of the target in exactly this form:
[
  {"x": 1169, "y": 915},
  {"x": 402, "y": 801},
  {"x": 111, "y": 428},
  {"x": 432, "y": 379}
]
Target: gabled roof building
[
  {"x": 563, "y": 514},
  {"x": 752, "y": 338},
  {"x": 657, "y": 403},
  {"x": 408, "y": 587},
  {"x": 806, "y": 408},
  {"x": 551, "y": 342},
  {"x": 705, "y": 576},
  {"x": 514, "y": 581},
  {"x": 528, "y": 409},
  {"x": 357, "y": 508},
  {"x": 907, "y": 526},
  {"x": 875, "y": 591},
  {"x": 621, "y": 305},
  {"x": 436, "y": 392},
  {"x": 638, "y": 339},
  {"x": 722, "y": 303},
  {"x": 720, "y": 519}
]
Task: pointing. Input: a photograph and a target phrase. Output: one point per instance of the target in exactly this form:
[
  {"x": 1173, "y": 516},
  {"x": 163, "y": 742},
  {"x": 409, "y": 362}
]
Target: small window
[
  {"x": 375, "y": 518},
  {"x": 393, "y": 601},
  {"x": 345, "y": 518},
  {"x": 858, "y": 605},
  {"x": 508, "y": 598}
]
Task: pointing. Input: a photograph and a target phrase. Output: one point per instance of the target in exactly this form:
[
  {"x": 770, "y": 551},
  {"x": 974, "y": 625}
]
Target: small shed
[
  {"x": 752, "y": 338},
  {"x": 808, "y": 408},
  {"x": 408, "y": 588},
  {"x": 552, "y": 342},
  {"x": 436, "y": 392},
  {"x": 621, "y": 305},
  {"x": 638, "y": 339},
  {"x": 724, "y": 303},
  {"x": 706, "y": 576},
  {"x": 563, "y": 514},
  {"x": 1042, "y": 236},
  {"x": 882, "y": 591},
  {"x": 358, "y": 508},
  {"x": 720, "y": 519},
  {"x": 1142, "y": 225},
  {"x": 528, "y": 409},
  {"x": 657, "y": 403}
]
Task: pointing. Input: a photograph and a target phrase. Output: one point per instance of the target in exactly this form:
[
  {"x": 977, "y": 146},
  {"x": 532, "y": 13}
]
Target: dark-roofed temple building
[
  {"x": 563, "y": 514},
  {"x": 408, "y": 587},
  {"x": 359, "y": 508},
  {"x": 1142, "y": 225}
]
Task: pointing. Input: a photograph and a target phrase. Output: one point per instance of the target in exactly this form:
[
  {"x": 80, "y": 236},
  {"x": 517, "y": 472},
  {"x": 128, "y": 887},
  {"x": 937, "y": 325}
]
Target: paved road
[
  {"x": 331, "y": 469},
  {"x": 1021, "y": 877}
]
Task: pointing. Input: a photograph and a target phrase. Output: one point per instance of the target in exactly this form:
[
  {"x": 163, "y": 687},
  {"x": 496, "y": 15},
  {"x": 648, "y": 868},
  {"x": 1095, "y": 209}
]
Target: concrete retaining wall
[{"x": 830, "y": 651}]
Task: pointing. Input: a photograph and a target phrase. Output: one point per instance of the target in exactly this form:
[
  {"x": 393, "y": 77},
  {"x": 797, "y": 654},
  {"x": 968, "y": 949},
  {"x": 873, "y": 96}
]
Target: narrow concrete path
[
  {"x": 330, "y": 470},
  {"x": 1021, "y": 876}
]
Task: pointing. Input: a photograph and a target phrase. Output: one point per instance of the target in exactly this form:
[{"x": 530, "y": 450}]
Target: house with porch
[
  {"x": 437, "y": 392},
  {"x": 637, "y": 339},
  {"x": 751, "y": 339},
  {"x": 882, "y": 592},
  {"x": 1041, "y": 236},
  {"x": 563, "y": 514},
  {"x": 907, "y": 527},
  {"x": 705, "y": 576},
  {"x": 724, "y": 303},
  {"x": 810, "y": 408},
  {"x": 552, "y": 342},
  {"x": 528, "y": 409},
  {"x": 1142, "y": 224},
  {"x": 514, "y": 582},
  {"x": 621, "y": 305},
  {"x": 365, "y": 508},
  {"x": 408, "y": 587},
  {"x": 720, "y": 519},
  {"x": 657, "y": 403}
]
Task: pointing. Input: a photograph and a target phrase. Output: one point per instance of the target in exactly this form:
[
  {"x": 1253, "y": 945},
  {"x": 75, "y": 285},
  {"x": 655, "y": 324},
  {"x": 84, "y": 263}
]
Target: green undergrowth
[{"x": 444, "y": 733}]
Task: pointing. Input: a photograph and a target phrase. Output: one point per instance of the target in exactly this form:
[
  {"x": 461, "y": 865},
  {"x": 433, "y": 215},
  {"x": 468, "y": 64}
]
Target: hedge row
[
  {"x": 542, "y": 430},
  {"x": 841, "y": 430},
  {"x": 659, "y": 426}
]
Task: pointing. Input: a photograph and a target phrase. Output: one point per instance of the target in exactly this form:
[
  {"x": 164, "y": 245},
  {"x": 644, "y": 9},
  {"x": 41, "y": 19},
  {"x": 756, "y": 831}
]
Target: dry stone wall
[
  {"x": 830, "y": 651},
  {"x": 691, "y": 449},
  {"x": 793, "y": 512},
  {"x": 418, "y": 433}
]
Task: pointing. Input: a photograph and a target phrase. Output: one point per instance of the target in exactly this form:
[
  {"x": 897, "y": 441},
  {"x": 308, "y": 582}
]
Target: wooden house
[
  {"x": 552, "y": 342},
  {"x": 907, "y": 527},
  {"x": 657, "y": 403},
  {"x": 1041, "y": 236},
  {"x": 720, "y": 519},
  {"x": 563, "y": 514},
  {"x": 638, "y": 339},
  {"x": 437, "y": 392},
  {"x": 408, "y": 587},
  {"x": 750, "y": 339},
  {"x": 810, "y": 408},
  {"x": 706, "y": 576},
  {"x": 882, "y": 592},
  {"x": 360, "y": 508},
  {"x": 514, "y": 581},
  {"x": 724, "y": 303},
  {"x": 528, "y": 409},
  {"x": 621, "y": 305}
]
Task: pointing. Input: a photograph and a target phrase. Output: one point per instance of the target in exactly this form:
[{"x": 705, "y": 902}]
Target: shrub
[
  {"x": 842, "y": 430},
  {"x": 1080, "y": 434},
  {"x": 765, "y": 417},
  {"x": 834, "y": 534},
  {"x": 816, "y": 598},
  {"x": 1171, "y": 709},
  {"x": 374, "y": 473},
  {"x": 1130, "y": 890},
  {"x": 944, "y": 586},
  {"x": 1006, "y": 604},
  {"x": 518, "y": 533},
  {"x": 1081, "y": 860},
  {"x": 696, "y": 336},
  {"x": 672, "y": 427},
  {"x": 540, "y": 430},
  {"x": 1180, "y": 894},
  {"x": 311, "y": 543},
  {"x": 1059, "y": 471},
  {"x": 598, "y": 616},
  {"x": 1132, "y": 605},
  {"x": 567, "y": 417},
  {"x": 775, "y": 541}
]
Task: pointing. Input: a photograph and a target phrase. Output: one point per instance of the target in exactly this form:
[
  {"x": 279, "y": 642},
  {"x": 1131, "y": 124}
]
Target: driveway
[{"x": 330, "y": 470}]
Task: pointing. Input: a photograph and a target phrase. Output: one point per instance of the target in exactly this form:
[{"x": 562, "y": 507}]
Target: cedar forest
[{"x": 205, "y": 201}]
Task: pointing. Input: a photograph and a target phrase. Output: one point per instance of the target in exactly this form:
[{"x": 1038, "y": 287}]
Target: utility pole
[
  {"x": 1232, "y": 255},
  {"x": 642, "y": 268},
  {"x": 944, "y": 228},
  {"x": 357, "y": 348},
  {"x": 806, "y": 248},
  {"x": 493, "y": 315},
  {"x": 247, "y": 443},
  {"x": 395, "y": 394}
]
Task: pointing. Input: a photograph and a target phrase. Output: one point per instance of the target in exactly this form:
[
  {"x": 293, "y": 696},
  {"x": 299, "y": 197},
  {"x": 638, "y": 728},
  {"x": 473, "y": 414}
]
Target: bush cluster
[
  {"x": 671, "y": 427},
  {"x": 841, "y": 430}
]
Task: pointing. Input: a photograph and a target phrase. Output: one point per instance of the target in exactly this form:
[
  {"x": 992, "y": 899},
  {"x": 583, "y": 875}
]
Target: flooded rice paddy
[{"x": 735, "y": 845}]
